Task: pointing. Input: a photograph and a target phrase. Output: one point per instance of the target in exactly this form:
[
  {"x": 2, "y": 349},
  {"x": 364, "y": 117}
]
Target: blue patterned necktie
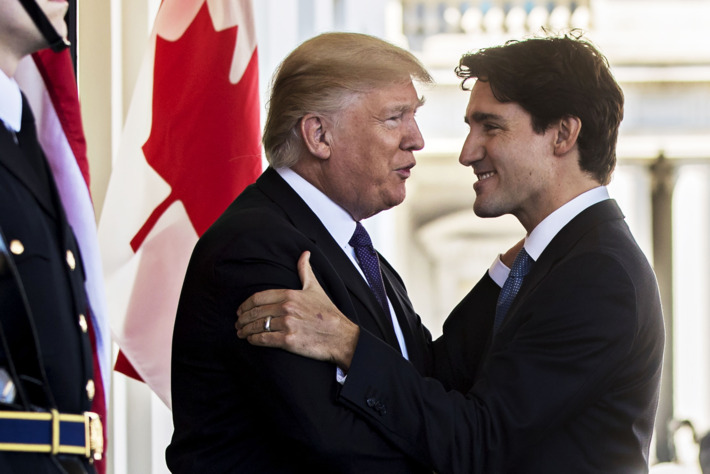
[
  {"x": 521, "y": 267},
  {"x": 369, "y": 263}
]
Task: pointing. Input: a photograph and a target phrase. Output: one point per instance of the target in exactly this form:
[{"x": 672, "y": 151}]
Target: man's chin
[
  {"x": 484, "y": 211},
  {"x": 395, "y": 199}
]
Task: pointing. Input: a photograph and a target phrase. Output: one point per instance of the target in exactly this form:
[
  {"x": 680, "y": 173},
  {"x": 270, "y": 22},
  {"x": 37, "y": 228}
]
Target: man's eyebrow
[
  {"x": 406, "y": 107},
  {"x": 419, "y": 103},
  {"x": 479, "y": 117}
]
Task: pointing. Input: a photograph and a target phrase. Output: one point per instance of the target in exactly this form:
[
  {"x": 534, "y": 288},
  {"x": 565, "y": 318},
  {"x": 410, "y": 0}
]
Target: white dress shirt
[
  {"x": 10, "y": 103},
  {"x": 341, "y": 227},
  {"x": 545, "y": 231}
]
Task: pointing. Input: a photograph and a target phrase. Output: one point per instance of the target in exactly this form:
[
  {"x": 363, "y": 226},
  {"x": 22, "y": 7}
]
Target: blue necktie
[
  {"x": 521, "y": 267},
  {"x": 370, "y": 265}
]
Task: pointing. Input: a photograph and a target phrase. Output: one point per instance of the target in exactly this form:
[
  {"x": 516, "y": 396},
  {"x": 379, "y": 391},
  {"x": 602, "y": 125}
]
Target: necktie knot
[
  {"x": 521, "y": 264},
  {"x": 360, "y": 238}
]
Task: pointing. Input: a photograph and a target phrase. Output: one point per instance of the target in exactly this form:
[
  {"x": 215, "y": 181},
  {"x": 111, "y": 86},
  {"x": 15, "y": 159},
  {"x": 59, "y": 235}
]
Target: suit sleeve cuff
[
  {"x": 372, "y": 363},
  {"x": 340, "y": 376}
]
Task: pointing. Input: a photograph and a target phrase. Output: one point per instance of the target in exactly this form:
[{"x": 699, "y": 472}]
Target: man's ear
[
  {"x": 315, "y": 135},
  {"x": 567, "y": 133}
]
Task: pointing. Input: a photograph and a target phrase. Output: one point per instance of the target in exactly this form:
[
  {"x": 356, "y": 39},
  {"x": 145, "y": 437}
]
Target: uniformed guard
[{"x": 46, "y": 379}]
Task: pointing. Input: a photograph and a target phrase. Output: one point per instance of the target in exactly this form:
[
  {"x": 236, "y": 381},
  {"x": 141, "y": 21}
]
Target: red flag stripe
[
  {"x": 49, "y": 82},
  {"x": 64, "y": 95}
]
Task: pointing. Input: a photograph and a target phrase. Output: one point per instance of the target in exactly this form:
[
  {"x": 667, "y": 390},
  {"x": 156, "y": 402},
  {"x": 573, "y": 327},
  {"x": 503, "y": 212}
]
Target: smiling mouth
[{"x": 486, "y": 175}]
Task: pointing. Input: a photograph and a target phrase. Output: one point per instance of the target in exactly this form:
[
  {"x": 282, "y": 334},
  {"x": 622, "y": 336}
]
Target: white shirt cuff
[
  {"x": 498, "y": 271},
  {"x": 340, "y": 376}
]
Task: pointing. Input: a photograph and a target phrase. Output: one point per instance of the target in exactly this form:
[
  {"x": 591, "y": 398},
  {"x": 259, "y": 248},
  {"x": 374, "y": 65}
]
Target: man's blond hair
[{"x": 320, "y": 75}]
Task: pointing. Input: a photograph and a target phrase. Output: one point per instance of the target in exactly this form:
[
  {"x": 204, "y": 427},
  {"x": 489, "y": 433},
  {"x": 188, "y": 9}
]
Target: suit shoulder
[
  {"x": 250, "y": 215},
  {"x": 614, "y": 242}
]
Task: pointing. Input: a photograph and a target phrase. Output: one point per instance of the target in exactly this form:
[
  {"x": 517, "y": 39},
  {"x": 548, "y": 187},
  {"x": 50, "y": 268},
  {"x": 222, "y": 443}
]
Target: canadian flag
[
  {"x": 47, "y": 80},
  {"x": 190, "y": 145}
]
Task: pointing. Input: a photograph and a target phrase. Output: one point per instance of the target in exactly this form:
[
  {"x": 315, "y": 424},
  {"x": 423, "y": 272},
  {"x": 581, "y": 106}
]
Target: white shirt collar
[
  {"x": 10, "y": 102},
  {"x": 336, "y": 220},
  {"x": 542, "y": 235},
  {"x": 341, "y": 227}
]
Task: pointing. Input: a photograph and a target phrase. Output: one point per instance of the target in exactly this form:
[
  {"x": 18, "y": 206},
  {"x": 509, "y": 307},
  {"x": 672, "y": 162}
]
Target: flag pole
[{"x": 71, "y": 19}]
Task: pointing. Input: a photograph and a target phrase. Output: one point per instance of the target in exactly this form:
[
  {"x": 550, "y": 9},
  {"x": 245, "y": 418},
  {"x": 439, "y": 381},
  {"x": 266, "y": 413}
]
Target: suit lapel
[
  {"x": 308, "y": 223},
  {"x": 405, "y": 315},
  {"x": 560, "y": 247}
]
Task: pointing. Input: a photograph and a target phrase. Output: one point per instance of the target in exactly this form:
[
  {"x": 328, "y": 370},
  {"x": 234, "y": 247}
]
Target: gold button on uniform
[
  {"x": 90, "y": 389},
  {"x": 82, "y": 323},
  {"x": 70, "y": 260},
  {"x": 16, "y": 247}
]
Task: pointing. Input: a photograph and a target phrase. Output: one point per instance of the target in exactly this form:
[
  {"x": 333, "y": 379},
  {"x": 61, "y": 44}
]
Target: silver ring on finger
[{"x": 267, "y": 324}]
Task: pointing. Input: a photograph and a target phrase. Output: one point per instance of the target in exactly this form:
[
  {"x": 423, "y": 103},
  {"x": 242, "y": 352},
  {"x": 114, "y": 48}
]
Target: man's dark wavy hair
[{"x": 554, "y": 77}]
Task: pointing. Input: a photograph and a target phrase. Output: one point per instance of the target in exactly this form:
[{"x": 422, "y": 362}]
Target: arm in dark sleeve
[
  {"x": 457, "y": 353},
  {"x": 561, "y": 359},
  {"x": 232, "y": 399}
]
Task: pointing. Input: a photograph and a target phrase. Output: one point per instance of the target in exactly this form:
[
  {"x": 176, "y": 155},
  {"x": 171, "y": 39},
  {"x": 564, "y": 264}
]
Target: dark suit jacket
[
  {"x": 31, "y": 213},
  {"x": 568, "y": 385},
  {"x": 241, "y": 408}
]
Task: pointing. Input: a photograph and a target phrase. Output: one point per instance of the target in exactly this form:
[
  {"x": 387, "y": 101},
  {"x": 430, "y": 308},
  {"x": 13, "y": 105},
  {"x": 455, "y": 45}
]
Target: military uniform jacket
[{"x": 47, "y": 258}]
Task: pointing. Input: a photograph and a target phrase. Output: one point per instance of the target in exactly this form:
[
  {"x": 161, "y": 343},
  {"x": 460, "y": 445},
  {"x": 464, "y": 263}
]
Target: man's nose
[
  {"x": 472, "y": 150},
  {"x": 414, "y": 140}
]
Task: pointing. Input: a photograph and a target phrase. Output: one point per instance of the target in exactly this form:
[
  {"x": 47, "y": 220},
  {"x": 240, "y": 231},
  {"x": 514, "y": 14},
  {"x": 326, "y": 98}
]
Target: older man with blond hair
[{"x": 339, "y": 136}]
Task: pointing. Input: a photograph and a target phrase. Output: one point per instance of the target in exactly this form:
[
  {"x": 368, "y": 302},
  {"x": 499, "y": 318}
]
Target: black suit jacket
[
  {"x": 31, "y": 213},
  {"x": 568, "y": 385},
  {"x": 241, "y": 408}
]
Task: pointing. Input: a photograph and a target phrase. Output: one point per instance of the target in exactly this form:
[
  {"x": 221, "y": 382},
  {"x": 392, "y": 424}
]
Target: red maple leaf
[{"x": 205, "y": 138}]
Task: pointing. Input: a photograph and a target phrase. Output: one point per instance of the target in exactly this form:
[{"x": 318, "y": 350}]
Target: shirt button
[
  {"x": 16, "y": 247},
  {"x": 71, "y": 261},
  {"x": 82, "y": 323},
  {"x": 90, "y": 389}
]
